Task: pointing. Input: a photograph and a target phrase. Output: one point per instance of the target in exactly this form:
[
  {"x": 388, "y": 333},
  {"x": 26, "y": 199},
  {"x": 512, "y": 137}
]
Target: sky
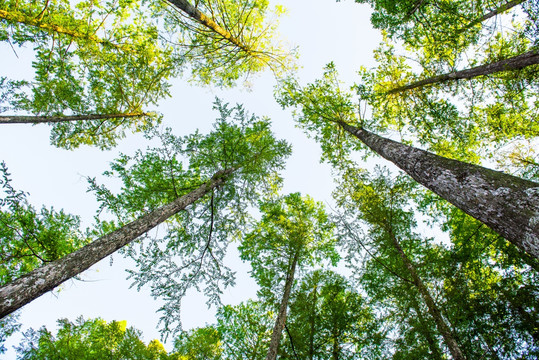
[{"x": 324, "y": 31}]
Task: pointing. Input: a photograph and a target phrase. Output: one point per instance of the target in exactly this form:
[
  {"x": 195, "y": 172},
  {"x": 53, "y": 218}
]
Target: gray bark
[
  {"x": 45, "y": 278},
  {"x": 21, "y": 119},
  {"x": 507, "y": 204},
  {"x": 281, "y": 317},
  {"x": 515, "y": 63}
]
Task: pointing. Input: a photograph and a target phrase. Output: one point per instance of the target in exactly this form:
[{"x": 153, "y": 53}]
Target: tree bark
[
  {"x": 436, "y": 314},
  {"x": 21, "y": 119},
  {"x": 281, "y": 317},
  {"x": 45, "y": 278},
  {"x": 208, "y": 22},
  {"x": 511, "y": 64},
  {"x": 507, "y": 204}
]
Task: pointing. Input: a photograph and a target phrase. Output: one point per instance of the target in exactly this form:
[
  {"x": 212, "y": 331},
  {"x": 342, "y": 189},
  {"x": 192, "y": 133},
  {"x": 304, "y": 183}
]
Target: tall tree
[
  {"x": 248, "y": 152},
  {"x": 95, "y": 58},
  {"x": 294, "y": 232},
  {"x": 507, "y": 204},
  {"x": 330, "y": 320},
  {"x": 379, "y": 202}
]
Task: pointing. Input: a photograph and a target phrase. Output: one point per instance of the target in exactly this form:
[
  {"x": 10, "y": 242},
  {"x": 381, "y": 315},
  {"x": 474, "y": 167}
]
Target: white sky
[{"x": 324, "y": 31}]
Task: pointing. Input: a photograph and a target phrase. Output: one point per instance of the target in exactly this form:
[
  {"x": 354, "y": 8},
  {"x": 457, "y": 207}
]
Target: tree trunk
[
  {"x": 45, "y": 278},
  {"x": 507, "y": 204},
  {"x": 281, "y": 317},
  {"x": 491, "y": 14},
  {"x": 511, "y": 64},
  {"x": 313, "y": 323},
  {"x": 441, "y": 325},
  {"x": 17, "y": 119},
  {"x": 424, "y": 327},
  {"x": 20, "y": 18},
  {"x": 201, "y": 18}
]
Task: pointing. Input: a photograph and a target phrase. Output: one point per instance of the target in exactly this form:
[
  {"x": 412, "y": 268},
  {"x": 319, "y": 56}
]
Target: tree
[
  {"x": 225, "y": 40},
  {"x": 505, "y": 203},
  {"x": 294, "y": 232},
  {"x": 248, "y": 151},
  {"x": 378, "y": 201},
  {"x": 245, "y": 330},
  {"x": 330, "y": 320},
  {"x": 200, "y": 343},
  {"x": 90, "y": 59},
  {"x": 90, "y": 339},
  {"x": 107, "y": 59},
  {"x": 511, "y": 64}
]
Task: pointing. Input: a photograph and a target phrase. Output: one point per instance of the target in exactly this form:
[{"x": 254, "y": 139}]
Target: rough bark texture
[
  {"x": 515, "y": 63},
  {"x": 507, "y": 204},
  {"x": 197, "y": 15},
  {"x": 436, "y": 314},
  {"x": 45, "y": 278},
  {"x": 15, "y": 119},
  {"x": 281, "y": 317}
]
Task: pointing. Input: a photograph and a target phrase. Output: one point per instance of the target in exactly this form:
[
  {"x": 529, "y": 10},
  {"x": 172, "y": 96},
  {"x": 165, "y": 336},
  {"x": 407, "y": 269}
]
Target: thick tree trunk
[
  {"x": 281, "y": 317},
  {"x": 201, "y": 18},
  {"x": 436, "y": 314},
  {"x": 491, "y": 14},
  {"x": 16, "y": 119},
  {"x": 45, "y": 278},
  {"x": 515, "y": 63},
  {"x": 507, "y": 204}
]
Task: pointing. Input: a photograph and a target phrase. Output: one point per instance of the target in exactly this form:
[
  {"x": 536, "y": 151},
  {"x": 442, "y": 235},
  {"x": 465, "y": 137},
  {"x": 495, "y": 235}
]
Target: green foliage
[
  {"x": 245, "y": 330},
  {"x": 248, "y": 45},
  {"x": 200, "y": 343},
  {"x": 91, "y": 339},
  {"x": 190, "y": 253},
  {"x": 92, "y": 58},
  {"x": 328, "y": 317},
  {"x": 292, "y": 229},
  {"x": 320, "y": 107},
  {"x": 28, "y": 237}
]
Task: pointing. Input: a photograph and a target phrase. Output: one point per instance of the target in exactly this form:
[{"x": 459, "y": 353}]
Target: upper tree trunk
[
  {"x": 197, "y": 15},
  {"x": 507, "y": 204},
  {"x": 17, "y": 17},
  {"x": 16, "y": 119},
  {"x": 491, "y": 14},
  {"x": 281, "y": 317},
  {"x": 45, "y": 278},
  {"x": 425, "y": 328},
  {"x": 515, "y": 63},
  {"x": 441, "y": 325}
]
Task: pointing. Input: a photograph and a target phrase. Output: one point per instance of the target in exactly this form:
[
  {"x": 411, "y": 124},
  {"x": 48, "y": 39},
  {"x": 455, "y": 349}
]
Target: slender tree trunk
[
  {"x": 425, "y": 329},
  {"x": 208, "y": 22},
  {"x": 511, "y": 64},
  {"x": 281, "y": 317},
  {"x": 17, "y": 119},
  {"x": 507, "y": 204},
  {"x": 491, "y": 14},
  {"x": 20, "y": 18},
  {"x": 436, "y": 314},
  {"x": 45, "y": 278},
  {"x": 313, "y": 323}
]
